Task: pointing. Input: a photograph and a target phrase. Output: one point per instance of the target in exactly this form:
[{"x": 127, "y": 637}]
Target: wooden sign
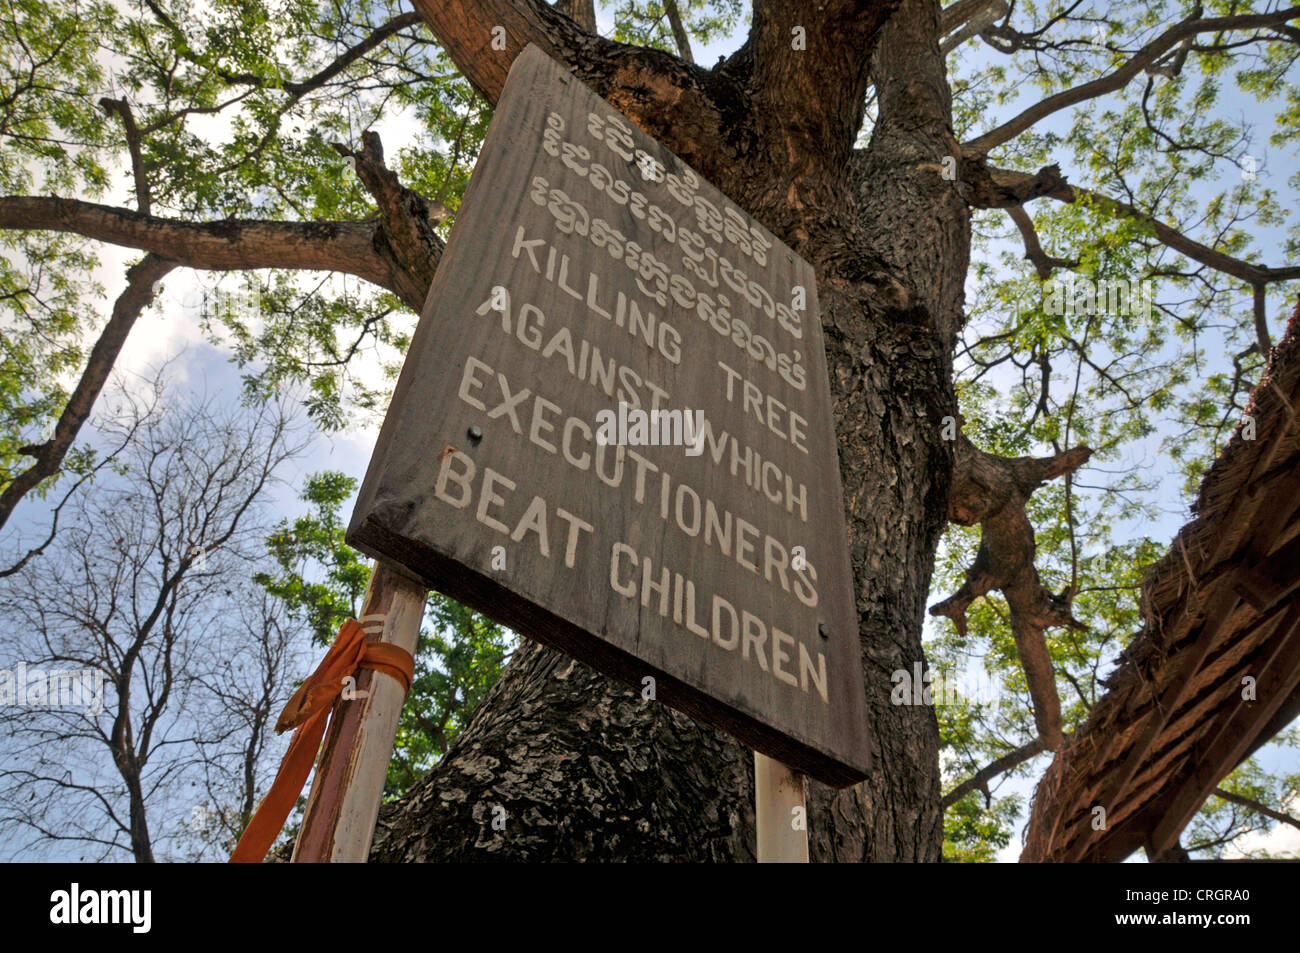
[{"x": 613, "y": 433}]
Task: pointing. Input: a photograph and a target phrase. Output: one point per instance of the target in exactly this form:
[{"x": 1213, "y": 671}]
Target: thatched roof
[{"x": 1222, "y": 607}]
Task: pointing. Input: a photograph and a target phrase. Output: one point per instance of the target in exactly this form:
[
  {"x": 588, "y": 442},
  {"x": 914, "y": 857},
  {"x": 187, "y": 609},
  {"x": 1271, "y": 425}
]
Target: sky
[{"x": 170, "y": 331}]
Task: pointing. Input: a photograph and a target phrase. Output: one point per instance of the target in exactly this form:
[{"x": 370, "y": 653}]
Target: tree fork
[{"x": 993, "y": 491}]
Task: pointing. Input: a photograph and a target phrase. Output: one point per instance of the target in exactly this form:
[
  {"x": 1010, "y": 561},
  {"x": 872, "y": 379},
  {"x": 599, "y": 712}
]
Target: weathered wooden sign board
[{"x": 591, "y": 278}]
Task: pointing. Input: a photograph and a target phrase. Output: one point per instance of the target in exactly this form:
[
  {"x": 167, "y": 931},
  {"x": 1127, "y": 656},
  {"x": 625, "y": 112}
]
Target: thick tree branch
[
  {"x": 956, "y": 15},
  {"x": 143, "y": 202},
  {"x": 968, "y": 18},
  {"x": 811, "y": 68},
  {"x": 581, "y": 12},
  {"x": 986, "y": 186},
  {"x": 980, "y": 780},
  {"x": 483, "y": 37},
  {"x": 401, "y": 253},
  {"x": 993, "y": 491},
  {"x": 897, "y": 179},
  {"x": 799, "y": 80},
  {"x": 354, "y": 248},
  {"x": 1260, "y": 308},
  {"x": 1119, "y": 77},
  {"x": 141, "y": 281},
  {"x": 680, "y": 36}
]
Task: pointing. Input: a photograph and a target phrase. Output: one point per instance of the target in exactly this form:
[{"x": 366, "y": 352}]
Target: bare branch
[
  {"x": 105, "y": 459},
  {"x": 136, "y": 607}
]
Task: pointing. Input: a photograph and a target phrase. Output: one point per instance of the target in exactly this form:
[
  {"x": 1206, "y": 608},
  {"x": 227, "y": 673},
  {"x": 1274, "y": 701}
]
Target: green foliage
[
  {"x": 322, "y": 582},
  {"x": 647, "y": 23},
  {"x": 460, "y": 658},
  {"x": 974, "y": 832},
  {"x": 52, "y": 140},
  {"x": 238, "y": 115},
  {"x": 320, "y": 579},
  {"x": 1222, "y": 827}
]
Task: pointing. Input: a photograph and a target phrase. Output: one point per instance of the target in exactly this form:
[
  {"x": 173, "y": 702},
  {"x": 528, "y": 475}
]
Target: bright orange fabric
[{"x": 308, "y": 711}]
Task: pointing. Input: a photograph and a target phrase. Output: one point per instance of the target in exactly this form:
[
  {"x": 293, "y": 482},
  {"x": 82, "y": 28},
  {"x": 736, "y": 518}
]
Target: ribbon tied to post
[{"x": 308, "y": 712}]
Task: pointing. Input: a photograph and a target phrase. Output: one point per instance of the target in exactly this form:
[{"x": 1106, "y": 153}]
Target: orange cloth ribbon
[{"x": 308, "y": 711}]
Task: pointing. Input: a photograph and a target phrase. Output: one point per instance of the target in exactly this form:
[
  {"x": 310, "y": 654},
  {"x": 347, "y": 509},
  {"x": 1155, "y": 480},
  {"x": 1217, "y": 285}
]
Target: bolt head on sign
[{"x": 609, "y": 380}]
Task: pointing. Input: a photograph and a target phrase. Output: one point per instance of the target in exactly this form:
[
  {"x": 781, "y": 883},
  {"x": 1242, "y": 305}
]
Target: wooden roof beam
[
  {"x": 1278, "y": 679},
  {"x": 1170, "y": 699}
]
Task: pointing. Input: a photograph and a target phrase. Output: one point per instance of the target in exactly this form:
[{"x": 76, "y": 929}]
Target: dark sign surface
[{"x": 613, "y": 432}]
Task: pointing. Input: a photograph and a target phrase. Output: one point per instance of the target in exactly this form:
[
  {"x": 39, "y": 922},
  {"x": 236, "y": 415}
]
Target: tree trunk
[
  {"x": 141, "y": 843},
  {"x": 560, "y": 763}
]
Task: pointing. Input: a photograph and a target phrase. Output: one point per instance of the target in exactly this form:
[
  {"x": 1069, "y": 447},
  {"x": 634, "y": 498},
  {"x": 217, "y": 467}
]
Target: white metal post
[{"x": 781, "y": 812}]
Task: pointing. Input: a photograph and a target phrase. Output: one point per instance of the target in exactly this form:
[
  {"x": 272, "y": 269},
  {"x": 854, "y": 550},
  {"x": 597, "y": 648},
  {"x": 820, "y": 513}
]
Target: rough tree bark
[{"x": 582, "y": 767}]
